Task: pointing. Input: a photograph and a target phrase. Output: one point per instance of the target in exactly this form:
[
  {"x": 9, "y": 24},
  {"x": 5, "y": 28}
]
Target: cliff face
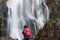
[{"x": 3, "y": 16}]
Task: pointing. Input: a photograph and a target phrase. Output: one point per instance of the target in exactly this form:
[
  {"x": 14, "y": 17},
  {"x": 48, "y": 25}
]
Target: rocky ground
[
  {"x": 50, "y": 31},
  {"x": 7, "y": 38}
]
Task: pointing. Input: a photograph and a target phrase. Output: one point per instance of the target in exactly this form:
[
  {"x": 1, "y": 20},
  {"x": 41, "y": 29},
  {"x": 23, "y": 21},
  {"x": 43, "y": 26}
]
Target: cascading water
[
  {"x": 24, "y": 12},
  {"x": 13, "y": 21}
]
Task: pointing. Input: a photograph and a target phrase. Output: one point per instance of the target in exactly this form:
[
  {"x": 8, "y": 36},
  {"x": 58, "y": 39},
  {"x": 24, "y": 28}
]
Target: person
[{"x": 26, "y": 32}]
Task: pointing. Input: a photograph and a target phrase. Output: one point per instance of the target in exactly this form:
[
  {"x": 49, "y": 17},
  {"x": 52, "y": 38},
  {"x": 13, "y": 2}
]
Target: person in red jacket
[{"x": 26, "y": 32}]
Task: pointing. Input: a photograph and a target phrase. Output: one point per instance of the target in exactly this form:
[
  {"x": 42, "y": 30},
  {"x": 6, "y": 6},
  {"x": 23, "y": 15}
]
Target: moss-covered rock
[
  {"x": 54, "y": 14},
  {"x": 50, "y": 2},
  {"x": 54, "y": 6}
]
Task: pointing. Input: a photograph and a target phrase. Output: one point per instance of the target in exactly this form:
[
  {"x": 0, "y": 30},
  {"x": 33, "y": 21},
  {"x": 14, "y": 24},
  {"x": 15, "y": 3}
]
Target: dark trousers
[{"x": 27, "y": 37}]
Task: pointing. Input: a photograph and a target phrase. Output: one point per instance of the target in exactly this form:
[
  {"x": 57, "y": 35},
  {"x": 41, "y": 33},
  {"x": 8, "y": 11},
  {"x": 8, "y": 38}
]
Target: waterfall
[
  {"x": 47, "y": 9},
  {"x": 13, "y": 22},
  {"x": 25, "y": 12}
]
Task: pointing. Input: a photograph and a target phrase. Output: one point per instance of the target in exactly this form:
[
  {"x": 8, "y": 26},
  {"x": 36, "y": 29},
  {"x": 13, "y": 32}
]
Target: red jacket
[{"x": 27, "y": 31}]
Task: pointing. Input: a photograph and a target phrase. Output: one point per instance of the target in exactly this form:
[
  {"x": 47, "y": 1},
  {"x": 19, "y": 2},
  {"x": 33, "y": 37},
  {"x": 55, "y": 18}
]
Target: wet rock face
[
  {"x": 3, "y": 17},
  {"x": 50, "y": 31}
]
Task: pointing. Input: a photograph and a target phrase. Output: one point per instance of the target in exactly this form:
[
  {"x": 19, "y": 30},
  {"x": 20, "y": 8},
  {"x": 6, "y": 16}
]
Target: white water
[
  {"x": 21, "y": 12},
  {"x": 46, "y": 7},
  {"x": 14, "y": 19}
]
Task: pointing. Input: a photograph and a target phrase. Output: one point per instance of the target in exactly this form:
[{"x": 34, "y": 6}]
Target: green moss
[
  {"x": 54, "y": 15},
  {"x": 50, "y": 2}
]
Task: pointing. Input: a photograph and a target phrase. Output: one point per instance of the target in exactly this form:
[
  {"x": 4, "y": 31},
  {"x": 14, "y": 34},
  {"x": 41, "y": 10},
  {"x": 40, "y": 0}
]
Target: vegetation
[
  {"x": 50, "y": 2},
  {"x": 54, "y": 15}
]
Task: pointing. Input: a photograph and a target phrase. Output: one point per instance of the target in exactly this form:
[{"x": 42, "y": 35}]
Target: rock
[
  {"x": 3, "y": 17},
  {"x": 3, "y": 1},
  {"x": 7, "y": 38},
  {"x": 50, "y": 31}
]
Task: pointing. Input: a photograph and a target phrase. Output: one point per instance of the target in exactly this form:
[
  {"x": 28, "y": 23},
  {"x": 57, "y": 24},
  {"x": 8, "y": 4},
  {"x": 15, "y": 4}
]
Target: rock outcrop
[{"x": 50, "y": 31}]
